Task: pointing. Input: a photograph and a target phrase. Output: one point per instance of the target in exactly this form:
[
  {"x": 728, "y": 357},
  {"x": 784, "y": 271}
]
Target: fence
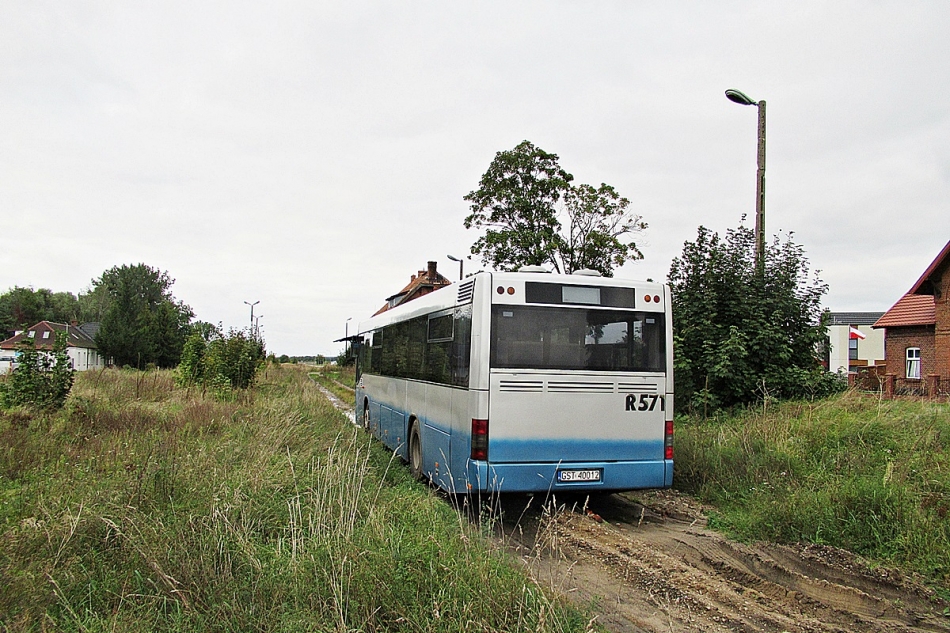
[{"x": 876, "y": 380}]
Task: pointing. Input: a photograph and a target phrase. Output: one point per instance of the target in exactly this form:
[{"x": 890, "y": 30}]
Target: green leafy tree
[
  {"x": 520, "y": 202},
  {"x": 144, "y": 323},
  {"x": 599, "y": 222},
  {"x": 22, "y": 307},
  {"x": 94, "y": 303},
  {"x": 40, "y": 380},
  {"x": 740, "y": 336}
]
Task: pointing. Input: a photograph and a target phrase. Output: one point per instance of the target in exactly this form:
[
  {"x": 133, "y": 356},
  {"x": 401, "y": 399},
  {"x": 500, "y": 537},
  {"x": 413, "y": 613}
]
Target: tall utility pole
[
  {"x": 252, "y": 313},
  {"x": 740, "y": 98}
]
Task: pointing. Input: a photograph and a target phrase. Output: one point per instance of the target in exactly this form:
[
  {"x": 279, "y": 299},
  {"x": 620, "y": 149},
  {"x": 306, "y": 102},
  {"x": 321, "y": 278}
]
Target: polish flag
[{"x": 854, "y": 332}]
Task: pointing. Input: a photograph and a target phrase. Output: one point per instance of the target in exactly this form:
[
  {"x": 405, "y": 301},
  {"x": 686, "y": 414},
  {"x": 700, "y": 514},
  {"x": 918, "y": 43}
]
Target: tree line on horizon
[{"x": 141, "y": 323}]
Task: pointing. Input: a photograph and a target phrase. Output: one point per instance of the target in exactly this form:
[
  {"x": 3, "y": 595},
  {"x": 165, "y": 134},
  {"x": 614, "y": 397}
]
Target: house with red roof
[
  {"x": 80, "y": 344},
  {"x": 917, "y": 331},
  {"x": 420, "y": 284}
]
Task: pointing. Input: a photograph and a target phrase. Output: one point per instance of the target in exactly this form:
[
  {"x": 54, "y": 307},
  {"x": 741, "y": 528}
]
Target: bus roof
[{"x": 445, "y": 297}]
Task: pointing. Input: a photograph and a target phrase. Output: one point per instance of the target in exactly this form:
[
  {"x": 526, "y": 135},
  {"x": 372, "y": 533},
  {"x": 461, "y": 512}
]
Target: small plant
[{"x": 41, "y": 380}]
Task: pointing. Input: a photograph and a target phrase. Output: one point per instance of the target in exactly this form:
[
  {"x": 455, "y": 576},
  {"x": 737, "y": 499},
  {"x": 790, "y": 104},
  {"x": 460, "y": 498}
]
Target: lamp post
[
  {"x": 252, "y": 312},
  {"x": 461, "y": 265},
  {"x": 738, "y": 97},
  {"x": 346, "y": 336}
]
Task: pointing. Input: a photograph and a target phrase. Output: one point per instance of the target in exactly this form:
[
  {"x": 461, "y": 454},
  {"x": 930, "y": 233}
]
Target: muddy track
[
  {"x": 647, "y": 562},
  {"x": 653, "y": 566}
]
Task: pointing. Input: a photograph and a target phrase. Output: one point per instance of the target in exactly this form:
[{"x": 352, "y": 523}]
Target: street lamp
[
  {"x": 738, "y": 97},
  {"x": 346, "y": 337},
  {"x": 461, "y": 265},
  {"x": 252, "y": 312}
]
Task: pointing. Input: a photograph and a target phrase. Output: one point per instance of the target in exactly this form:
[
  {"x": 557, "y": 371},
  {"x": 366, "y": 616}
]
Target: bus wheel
[
  {"x": 415, "y": 452},
  {"x": 366, "y": 415}
]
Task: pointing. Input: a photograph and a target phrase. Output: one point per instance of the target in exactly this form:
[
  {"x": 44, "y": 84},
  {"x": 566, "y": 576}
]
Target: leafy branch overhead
[{"x": 532, "y": 214}]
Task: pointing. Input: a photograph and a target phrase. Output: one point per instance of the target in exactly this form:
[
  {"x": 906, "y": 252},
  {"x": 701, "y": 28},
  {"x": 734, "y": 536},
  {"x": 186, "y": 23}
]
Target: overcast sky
[{"x": 314, "y": 155}]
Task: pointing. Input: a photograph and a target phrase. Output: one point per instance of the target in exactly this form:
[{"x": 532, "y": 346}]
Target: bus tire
[
  {"x": 366, "y": 414},
  {"x": 415, "y": 453}
]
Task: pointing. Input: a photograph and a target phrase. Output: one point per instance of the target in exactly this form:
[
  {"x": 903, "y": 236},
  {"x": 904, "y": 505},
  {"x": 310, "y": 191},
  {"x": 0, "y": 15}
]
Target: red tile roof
[
  {"x": 931, "y": 269},
  {"x": 421, "y": 284},
  {"x": 75, "y": 336},
  {"x": 911, "y": 309},
  {"x": 917, "y": 307}
]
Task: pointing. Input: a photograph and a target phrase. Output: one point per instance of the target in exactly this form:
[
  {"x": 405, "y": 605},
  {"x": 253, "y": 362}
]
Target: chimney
[
  {"x": 433, "y": 275},
  {"x": 74, "y": 323}
]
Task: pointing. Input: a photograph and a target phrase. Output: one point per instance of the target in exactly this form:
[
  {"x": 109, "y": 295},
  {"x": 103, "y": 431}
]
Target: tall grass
[
  {"x": 854, "y": 471},
  {"x": 144, "y": 507}
]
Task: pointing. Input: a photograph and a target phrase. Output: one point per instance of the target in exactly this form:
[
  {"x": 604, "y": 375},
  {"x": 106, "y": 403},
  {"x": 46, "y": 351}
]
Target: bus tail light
[
  {"x": 668, "y": 441},
  {"x": 480, "y": 439}
]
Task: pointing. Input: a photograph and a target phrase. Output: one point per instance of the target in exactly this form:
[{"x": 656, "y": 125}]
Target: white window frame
[{"x": 912, "y": 366}]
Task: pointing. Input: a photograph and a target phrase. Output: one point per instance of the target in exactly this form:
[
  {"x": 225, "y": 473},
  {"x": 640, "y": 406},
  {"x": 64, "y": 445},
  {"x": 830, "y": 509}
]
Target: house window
[
  {"x": 32, "y": 334},
  {"x": 853, "y": 349},
  {"x": 46, "y": 334},
  {"x": 913, "y": 362}
]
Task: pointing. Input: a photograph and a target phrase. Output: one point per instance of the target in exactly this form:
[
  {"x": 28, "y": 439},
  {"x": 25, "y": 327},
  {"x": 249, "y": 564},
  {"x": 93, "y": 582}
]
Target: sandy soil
[{"x": 648, "y": 563}]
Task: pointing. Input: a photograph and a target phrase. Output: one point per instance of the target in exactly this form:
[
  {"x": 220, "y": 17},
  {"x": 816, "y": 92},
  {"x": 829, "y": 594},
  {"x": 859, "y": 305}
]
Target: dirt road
[
  {"x": 648, "y": 563},
  {"x": 653, "y": 566}
]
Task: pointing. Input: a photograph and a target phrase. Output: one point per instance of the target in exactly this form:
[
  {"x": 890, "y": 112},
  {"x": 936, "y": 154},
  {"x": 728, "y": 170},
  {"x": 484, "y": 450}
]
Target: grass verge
[
  {"x": 854, "y": 471},
  {"x": 145, "y": 507}
]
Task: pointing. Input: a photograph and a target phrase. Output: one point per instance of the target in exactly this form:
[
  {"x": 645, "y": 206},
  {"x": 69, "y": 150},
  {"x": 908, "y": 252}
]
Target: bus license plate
[{"x": 570, "y": 476}]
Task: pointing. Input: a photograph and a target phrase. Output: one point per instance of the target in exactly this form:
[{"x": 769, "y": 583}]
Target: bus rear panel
[{"x": 567, "y": 385}]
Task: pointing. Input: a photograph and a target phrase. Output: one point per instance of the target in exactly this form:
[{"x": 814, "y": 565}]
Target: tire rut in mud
[{"x": 653, "y": 566}]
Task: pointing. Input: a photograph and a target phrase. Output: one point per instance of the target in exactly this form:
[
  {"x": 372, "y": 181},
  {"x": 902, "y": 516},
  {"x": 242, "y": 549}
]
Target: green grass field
[
  {"x": 145, "y": 507},
  {"x": 854, "y": 471}
]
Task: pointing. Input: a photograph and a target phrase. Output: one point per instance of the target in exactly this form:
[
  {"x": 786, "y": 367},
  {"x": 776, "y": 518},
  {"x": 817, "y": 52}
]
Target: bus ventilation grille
[
  {"x": 466, "y": 292},
  {"x": 555, "y": 386},
  {"x": 521, "y": 386},
  {"x": 635, "y": 387}
]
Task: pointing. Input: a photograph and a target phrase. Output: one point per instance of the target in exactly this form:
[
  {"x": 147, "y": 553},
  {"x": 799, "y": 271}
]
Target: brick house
[
  {"x": 80, "y": 344},
  {"x": 917, "y": 331},
  {"x": 419, "y": 285}
]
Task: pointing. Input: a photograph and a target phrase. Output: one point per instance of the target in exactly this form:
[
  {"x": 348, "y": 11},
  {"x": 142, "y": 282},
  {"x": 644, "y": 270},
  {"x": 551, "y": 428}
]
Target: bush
[
  {"x": 40, "y": 380},
  {"x": 743, "y": 335},
  {"x": 220, "y": 361}
]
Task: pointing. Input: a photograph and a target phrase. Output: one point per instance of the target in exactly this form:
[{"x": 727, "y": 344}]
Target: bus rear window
[{"x": 528, "y": 337}]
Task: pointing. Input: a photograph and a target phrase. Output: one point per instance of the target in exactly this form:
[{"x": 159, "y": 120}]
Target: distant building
[
  {"x": 917, "y": 331},
  {"x": 419, "y": 285},
  {"x": 852, "y": 344},
  {"x": 80, "y": 344}
]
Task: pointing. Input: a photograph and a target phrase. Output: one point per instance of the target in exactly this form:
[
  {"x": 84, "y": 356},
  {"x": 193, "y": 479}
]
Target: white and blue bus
[{"x": 525, "y": 382}]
